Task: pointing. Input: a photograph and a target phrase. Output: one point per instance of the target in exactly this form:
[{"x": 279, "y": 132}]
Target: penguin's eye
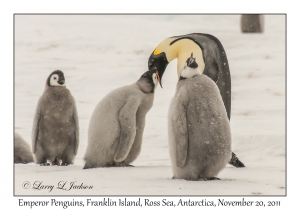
[{"x": 54, "y": 78}]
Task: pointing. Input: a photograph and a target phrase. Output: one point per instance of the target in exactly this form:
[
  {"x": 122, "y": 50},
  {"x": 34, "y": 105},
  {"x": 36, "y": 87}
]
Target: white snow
[{"x": 99, "y": 53}]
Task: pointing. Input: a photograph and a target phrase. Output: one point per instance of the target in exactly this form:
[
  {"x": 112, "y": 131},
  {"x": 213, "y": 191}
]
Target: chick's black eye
[{"x": 55, "y": 78}]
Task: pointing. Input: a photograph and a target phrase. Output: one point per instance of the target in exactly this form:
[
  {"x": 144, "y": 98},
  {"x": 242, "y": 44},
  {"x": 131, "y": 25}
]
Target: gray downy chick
[
  {"x": 199, "y": 129},
  {"x": 22, "y": 152},
  {"x": 55, "y": 131},
  {"x": 116, "y": 126}
]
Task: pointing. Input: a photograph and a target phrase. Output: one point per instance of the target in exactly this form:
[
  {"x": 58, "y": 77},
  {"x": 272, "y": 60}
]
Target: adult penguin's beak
[{"x": 158, "y": 61}]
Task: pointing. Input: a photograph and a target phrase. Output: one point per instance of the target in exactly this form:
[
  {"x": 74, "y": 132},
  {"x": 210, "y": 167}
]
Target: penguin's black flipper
[{"x": 235, "y": 161}]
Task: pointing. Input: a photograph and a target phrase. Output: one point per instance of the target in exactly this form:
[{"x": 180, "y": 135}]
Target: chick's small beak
[
  {"x": 61, "y": 81},
  {"x": 158, "y": 78}
]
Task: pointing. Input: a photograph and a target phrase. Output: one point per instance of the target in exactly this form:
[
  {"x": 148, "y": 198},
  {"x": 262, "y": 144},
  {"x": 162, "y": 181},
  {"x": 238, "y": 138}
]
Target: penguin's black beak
[{"x": 160, "y": 62}]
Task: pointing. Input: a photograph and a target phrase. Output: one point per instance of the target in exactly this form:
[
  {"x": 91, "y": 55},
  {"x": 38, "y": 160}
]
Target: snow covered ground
[{"x": 99, "y": 53}]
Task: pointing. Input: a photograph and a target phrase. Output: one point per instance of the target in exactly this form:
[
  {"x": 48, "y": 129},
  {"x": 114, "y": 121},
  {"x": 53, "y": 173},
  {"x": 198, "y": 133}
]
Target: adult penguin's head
[{"x": 159, "y": 61}]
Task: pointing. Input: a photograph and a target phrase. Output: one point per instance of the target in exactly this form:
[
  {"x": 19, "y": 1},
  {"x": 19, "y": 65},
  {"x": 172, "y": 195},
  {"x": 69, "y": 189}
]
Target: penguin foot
[
  {"x": 122, "y": 164},
  {"x": 65, "y": 164},
  {"x": 87, "y": 166},
  {"x": 204, "y": 179},
  {"x": 212, "y": 178},
  {"x": 44, "y": 164},
  {"x": 200, "y": 179},
  {"x": 235, "y": 161}
]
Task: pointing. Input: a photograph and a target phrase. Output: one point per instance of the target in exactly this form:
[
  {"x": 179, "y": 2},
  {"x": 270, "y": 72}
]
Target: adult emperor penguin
[
  {"x": 199, "y": 130},
  {"x": 116, "y": 127},
  {"x": 211, "y": 58},
  {"x": 22, "y": 153},
  {"x": 55, "y": 131}
]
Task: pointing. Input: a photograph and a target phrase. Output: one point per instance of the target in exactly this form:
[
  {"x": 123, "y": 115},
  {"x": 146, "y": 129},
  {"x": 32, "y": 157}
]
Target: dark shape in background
[{"x": 252, "y": 23}]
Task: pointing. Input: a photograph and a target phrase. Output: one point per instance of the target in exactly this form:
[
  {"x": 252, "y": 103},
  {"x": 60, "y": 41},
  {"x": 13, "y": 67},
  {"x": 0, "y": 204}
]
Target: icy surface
[{"x": 100, "y": 53}]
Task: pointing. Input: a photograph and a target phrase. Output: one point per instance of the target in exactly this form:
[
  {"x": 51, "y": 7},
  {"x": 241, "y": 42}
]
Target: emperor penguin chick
[
  {"x": 116, "y": 127},
  {"x": 55, "y": 132},
  {"x": 22, "y": 153},
  {"x": 199, "y": 130}
]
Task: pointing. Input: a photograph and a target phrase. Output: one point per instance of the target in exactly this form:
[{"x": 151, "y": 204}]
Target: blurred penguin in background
[{"x": 22, "y": 152}]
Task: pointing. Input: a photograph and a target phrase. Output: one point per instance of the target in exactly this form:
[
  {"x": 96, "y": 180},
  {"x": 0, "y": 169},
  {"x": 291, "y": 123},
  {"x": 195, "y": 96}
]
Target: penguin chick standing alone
[
  {"x": 55, "y": 132},
  {"x": 22, "y": 153},
  {"x": 117, "y": 123},
  {"x": 199, "y": 131}
]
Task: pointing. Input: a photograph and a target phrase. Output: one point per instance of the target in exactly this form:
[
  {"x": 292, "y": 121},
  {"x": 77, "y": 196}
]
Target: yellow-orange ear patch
[{"x": 156, "y": 52}]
